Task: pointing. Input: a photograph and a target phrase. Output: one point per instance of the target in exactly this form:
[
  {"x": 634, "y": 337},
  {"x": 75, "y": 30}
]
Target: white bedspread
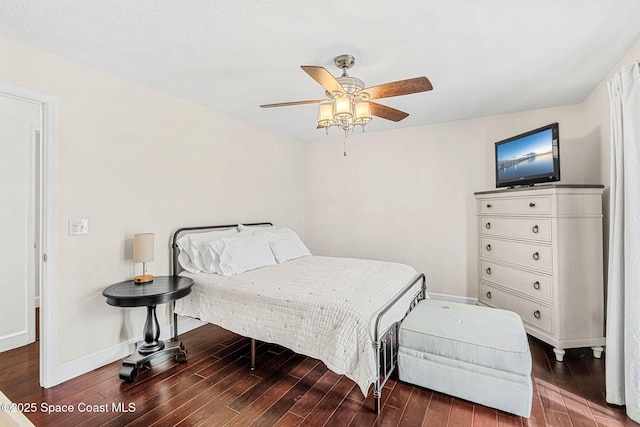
[{"x": 322, "y": 307}]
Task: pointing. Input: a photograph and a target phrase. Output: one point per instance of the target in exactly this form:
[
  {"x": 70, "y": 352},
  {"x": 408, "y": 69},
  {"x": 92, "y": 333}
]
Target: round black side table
[{"x": 163, "y": 289}]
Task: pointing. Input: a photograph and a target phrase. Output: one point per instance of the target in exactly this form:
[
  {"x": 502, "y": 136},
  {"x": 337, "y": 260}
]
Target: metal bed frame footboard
[{"x": 386, "y": 345}]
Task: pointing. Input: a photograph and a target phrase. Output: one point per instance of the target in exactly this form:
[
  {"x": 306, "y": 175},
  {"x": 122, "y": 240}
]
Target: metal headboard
[{"x": 175, "y": 267}]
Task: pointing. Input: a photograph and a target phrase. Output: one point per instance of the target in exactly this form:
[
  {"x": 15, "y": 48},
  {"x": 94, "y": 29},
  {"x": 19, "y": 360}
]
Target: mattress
[{"x": 322, "y": 307}]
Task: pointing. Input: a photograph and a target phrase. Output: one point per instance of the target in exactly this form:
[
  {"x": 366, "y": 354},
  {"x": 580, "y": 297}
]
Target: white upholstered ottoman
[{"x": 479, "y": 354}]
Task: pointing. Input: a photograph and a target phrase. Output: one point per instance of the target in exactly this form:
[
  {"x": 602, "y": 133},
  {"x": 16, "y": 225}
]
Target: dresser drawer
[
  {"x": 525, "y": 228},
  {"x": 536, "y": 285},
  {"x": 534, "y": 205},
  {"x": 531, "y": 312},
  {"x": 530, "y": 255}
]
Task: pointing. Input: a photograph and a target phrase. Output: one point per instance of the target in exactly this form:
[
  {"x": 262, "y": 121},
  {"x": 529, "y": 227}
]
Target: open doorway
[
  {"x": 27, "y": 257},
  {"x": 19, "y": 220}
]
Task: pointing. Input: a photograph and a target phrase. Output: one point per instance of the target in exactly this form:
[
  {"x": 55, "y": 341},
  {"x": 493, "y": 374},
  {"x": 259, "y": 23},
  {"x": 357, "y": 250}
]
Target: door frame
[{"x": 48, "y": 259}]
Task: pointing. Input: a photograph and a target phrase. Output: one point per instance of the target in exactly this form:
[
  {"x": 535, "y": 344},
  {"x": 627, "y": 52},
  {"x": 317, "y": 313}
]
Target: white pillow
[
  {"x": 238, "y": 254},
  {"x": 185, "y": 262},
  {"x": 286, "y": 245},
  {"x": 191, "y": 249},
  {"x": 211, "y": 250}
]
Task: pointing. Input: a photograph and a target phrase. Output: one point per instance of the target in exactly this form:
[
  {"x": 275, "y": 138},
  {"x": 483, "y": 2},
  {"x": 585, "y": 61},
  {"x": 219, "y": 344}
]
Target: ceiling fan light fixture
[{"x": 344, "y": 112}]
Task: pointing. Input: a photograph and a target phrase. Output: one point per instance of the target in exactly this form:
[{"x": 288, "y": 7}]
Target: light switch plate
[{"x": 78, "y": 226}]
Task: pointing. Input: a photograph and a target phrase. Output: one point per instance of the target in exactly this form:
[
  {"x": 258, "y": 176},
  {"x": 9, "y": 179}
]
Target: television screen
[{"x": 529, "y": 158}]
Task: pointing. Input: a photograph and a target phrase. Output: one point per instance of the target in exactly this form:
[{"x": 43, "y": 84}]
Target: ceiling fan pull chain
[{"x": 344, "y": 139}]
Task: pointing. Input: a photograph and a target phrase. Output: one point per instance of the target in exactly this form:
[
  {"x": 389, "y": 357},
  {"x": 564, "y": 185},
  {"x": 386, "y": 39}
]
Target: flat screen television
[{"x": 529, "y": 158}]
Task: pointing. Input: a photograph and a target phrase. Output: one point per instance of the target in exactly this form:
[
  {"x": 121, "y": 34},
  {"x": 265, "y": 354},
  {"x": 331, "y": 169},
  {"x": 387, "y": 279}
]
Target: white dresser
[{"x": 540, "y": 255}]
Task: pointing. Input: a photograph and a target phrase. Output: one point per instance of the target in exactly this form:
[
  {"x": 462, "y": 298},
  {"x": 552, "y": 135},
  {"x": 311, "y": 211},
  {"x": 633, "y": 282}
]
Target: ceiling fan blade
[
  {"x": 387, "y": 112},
  {"x": 286, "y": 104},
  {"x": 325, "y": 78},
  {"x": 401, "y": 87}
]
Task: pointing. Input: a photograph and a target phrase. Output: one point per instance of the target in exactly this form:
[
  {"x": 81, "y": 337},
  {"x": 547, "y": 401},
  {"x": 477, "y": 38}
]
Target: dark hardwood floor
[{"x": 215, "y": 387}]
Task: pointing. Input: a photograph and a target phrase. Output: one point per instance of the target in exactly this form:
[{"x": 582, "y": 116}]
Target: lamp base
[{"x": 143, "y": 279}]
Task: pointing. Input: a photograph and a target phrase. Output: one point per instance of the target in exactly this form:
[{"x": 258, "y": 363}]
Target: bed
[{"x": 342, "y": 311}]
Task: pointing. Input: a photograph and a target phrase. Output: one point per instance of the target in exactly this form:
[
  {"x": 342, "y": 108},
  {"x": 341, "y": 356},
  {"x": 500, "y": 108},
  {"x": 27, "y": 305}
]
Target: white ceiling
[{"x": 483, "y": 57}]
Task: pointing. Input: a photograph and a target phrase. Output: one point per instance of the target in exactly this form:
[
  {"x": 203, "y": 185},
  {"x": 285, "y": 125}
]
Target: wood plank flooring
[{"x": 216, "y": 388}]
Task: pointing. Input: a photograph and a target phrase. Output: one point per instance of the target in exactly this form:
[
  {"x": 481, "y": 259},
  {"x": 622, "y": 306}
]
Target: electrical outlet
[{"x": 78, "y": 226}]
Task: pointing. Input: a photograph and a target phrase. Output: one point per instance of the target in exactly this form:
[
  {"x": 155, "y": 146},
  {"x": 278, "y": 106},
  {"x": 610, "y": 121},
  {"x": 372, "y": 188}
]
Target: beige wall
[{"x": 132, "y": 159}]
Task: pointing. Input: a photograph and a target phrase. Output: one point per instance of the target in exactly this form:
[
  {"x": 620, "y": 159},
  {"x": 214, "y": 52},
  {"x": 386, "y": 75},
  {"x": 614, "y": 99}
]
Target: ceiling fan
[{"x": 348, "y": 103}]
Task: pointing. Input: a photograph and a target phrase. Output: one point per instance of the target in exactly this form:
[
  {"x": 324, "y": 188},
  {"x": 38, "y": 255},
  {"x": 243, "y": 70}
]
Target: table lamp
[{"x": 143, "y": 252}]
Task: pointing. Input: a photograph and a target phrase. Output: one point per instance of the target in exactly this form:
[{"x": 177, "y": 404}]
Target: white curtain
[{"x": 623, "y": 292}]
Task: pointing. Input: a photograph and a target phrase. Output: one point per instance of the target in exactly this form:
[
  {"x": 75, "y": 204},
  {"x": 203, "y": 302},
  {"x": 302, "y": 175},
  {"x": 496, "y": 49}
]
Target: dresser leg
[
  {"x": 597, "y": 351},
  {"x": 559, "y": 354}
]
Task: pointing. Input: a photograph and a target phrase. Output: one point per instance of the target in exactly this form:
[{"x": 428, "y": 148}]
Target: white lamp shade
[
  {"x": 342, "y": 107},
  {"x": 363, "y": 112},
  {"x": 325, "y": 113},
  {"x": 143, "y": 248}
]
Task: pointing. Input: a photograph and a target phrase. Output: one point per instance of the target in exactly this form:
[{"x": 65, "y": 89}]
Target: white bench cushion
[{"x": 481, "y": 336}]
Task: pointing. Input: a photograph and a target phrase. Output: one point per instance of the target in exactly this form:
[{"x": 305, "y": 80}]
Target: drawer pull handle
[
  {"x": 536, "y": 256},
  {"x": 488, "y": 270},
  {"x": 532, "y": 205},
  {"x": 489, "y": 205},
  {"x": 536, "y": 285},
  {"x": 489, "y": 295},
  {"x": 537, "y": 314},
  {"x": 535, "y": 229},
  {"x": 488, "y": 226},
  {"x": 488, "y": 247}
]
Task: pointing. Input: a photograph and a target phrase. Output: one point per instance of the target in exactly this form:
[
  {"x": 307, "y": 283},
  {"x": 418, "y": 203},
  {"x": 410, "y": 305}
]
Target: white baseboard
[
  {"x": 14, "y": 340},
  {"x": 88, "y": 363},
  {"x": 453, "y": 298}
]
